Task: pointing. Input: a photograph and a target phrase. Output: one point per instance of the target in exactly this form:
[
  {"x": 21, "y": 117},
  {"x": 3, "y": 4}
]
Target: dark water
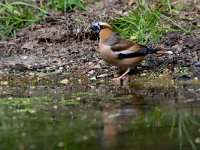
[{"x": 99, "y": 115}]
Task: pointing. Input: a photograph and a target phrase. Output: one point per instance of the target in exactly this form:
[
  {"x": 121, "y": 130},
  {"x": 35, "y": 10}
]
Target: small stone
[
  {"x": 102, "y": 62},
  {"x": 61, "y": 68},
  {"x": 79, "y": 81},
  {"x": 65, "y": 81},
  {"x": 97, "y": 66},
  {"x": 90, "y": 63},
  {"x": 31, "y": 74},
  {"x": 10, "y": 98},
  {"x": 32, "y": 87},
  {"x": 102, "y": 75},
  {"x": 55, "y": 107},
  {"x": 24, "y": 57},
  {"x": 197, "y": 140},
  {"x": 91, "y": 72},
  {"x": 23, "y": 134},
  {"x": 85, "y": 137},
  {"x": 78, "y": 98},
  {"x": 143, "y": 74},
  {"x": 93, "y": 78},
  {"x": 197, "y": 64},
  {"x": 60, "y": 144},
  {"x": 119, "y": 12},
  {"x": 125, "y": 13},
  {"x": 4, "y": 83}
]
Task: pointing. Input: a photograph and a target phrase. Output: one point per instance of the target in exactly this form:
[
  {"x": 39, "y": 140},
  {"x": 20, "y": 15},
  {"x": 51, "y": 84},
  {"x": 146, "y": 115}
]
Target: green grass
[
  {"x": 144, "y": 28},
  {"x": 15, "y": 15},
  {"x": 65, "y": 5},
  {"x": 145, "y": 24}
]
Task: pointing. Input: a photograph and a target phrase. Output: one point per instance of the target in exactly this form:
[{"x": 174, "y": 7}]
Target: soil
[{"x": 63, "y": 44}]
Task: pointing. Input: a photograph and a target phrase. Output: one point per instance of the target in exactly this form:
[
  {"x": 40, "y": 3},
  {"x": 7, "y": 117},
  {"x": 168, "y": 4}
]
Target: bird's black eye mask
[{"x": 96, "y": 27}]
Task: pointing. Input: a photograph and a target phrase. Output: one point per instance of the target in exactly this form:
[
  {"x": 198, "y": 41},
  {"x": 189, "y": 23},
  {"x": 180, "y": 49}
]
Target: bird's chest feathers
[
  {"x": 107, "y": 38},
  {"x": 106, "y": 53}
]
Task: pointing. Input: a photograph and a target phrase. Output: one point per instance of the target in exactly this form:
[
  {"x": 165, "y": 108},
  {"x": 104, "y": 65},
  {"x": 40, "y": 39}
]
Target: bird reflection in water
[{"x": 117, "y": 119}]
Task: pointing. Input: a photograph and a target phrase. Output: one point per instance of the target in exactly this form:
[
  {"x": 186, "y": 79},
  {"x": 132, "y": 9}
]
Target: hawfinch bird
[{"x": 120, "y": 52}]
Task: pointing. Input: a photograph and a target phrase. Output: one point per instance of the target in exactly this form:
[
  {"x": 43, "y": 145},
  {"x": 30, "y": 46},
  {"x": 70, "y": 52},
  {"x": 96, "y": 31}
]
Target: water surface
[{"x": 98, "y": 115}]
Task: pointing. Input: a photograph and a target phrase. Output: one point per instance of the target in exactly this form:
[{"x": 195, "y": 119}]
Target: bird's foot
[
  {"x": 119, "y": 73},
  {"x": 122, "y": 81}
]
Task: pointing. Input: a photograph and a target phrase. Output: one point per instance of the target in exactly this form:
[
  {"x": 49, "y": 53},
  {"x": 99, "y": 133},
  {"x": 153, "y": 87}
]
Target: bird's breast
[{"x": 106, "y": 53}]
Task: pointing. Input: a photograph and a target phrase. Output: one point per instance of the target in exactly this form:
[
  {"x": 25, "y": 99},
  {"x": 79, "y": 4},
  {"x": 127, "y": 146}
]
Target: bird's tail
[{"x": 158, "y": 51}]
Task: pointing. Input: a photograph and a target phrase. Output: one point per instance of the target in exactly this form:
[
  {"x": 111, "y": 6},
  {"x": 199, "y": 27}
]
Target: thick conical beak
[{"x": 95, "y": 27}]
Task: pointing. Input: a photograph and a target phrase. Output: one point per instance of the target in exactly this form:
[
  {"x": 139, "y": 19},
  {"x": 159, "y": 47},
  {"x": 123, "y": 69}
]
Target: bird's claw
[{"x": 124, "y": 81}]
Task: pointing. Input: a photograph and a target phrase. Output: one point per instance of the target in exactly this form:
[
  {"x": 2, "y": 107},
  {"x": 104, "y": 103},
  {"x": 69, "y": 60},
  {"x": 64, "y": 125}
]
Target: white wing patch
[{"x": 124, "y": 52}]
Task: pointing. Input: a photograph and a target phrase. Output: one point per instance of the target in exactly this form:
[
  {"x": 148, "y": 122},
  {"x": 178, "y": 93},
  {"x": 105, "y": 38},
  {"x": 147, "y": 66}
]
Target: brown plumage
[{"x": 120, "y": 52}]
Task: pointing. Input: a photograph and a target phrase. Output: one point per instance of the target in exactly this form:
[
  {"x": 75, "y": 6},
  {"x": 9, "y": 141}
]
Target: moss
[{"x": 150, "y": 80}]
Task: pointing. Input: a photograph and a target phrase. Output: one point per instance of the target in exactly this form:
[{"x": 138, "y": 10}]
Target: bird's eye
[{"x": 103, "y": 26}]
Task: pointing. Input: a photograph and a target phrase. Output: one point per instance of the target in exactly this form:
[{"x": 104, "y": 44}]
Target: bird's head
[
  {"x": 104, "y": 30},
  {"x": 101, "y": 26}
]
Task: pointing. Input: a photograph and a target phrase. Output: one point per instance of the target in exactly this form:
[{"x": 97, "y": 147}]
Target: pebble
[
  {"x": 31, "y": 74},
  {"x": 93, "y": 78},
  {"x": 103, "y": 75},
  {"x": 4, "y": 83},
  {"x": 60, "y": 144},
  {"x": 61, "y": 68},
  {"x": 197, "y": 64},
  {"x": 91, "y": 72},
  {"x": 97, "y": 66},
  {"x": 197, "y": 140},
  {"x": 55, "y": 107},
  {"x": 64, "y": 81},
  {"x": 24, "y": 57},
  {"x": 143, "y": 74},
  {"x": 85, "y": 137}
]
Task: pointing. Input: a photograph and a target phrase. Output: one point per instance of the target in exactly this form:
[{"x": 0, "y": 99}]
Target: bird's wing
[
  {"x": 139, "y": 53},
  {"x": 127, "y": 49},
  {"x": 121, "y": 45},
  {"x": 133, "y": 52}
]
